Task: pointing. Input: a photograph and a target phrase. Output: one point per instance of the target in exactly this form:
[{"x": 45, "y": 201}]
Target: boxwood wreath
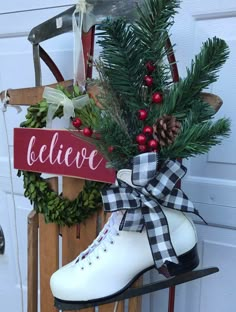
[{"x": 54, "y": 207}]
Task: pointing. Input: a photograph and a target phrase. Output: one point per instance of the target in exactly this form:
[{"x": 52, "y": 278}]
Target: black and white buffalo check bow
[{"x": 143, "y": 201}]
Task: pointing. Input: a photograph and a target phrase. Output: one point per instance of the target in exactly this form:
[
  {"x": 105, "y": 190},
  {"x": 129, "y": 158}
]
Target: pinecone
[{"x": 166, "y": 129}]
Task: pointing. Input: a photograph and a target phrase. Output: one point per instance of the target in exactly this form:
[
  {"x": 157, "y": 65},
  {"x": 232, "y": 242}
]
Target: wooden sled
[{"x": 44, "y": 239}]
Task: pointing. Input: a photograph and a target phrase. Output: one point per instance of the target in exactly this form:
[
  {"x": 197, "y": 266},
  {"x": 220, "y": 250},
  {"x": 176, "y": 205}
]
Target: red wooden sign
[{"x": 59, "y": 152}]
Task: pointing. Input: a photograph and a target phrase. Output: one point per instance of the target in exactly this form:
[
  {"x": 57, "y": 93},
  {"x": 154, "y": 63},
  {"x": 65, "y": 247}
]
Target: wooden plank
[
  {"x": 110, "y": 307},
  {"x": 49, "y": 250},
  {"x": 32, "y": 289},
  {"x": 87, "y": 232},
  {"x": 49, "y": 257},
  {"x": 214, "y": 100},
  {"x": 70, "y": 243},
  {"x": 76, "y": 238},
  {"x": 135, "y": 304},
  {"x": 72, "y": 187},
  {"x": 29, "y": 96}
]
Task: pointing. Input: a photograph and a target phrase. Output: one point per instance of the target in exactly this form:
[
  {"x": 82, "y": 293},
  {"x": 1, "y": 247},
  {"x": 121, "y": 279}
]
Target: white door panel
[
  {"x": 26, "y": 5},
  {"x": 215, "y": 292},
  {"x": 211, "y": 178},
  {"x": 20, "y": 23}
]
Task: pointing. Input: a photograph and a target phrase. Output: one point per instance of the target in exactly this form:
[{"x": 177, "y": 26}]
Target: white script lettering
[{"x": 56, "y": 154}]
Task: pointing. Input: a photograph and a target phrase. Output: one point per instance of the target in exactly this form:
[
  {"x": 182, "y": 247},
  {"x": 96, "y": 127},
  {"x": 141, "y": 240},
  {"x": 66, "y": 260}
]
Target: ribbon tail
[
  {"x": 159, "y": 236},
  {"x": 178, "y": 200},
  {"x": 81, "y": 101},
  {"x": 52, "y": 108},
  {"x": 79, "y": 66},
  {"x": 68, "y": 112}
]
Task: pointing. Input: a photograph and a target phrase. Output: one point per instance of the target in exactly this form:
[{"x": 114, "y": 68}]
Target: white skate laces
[{"x": 101, "y": 244}]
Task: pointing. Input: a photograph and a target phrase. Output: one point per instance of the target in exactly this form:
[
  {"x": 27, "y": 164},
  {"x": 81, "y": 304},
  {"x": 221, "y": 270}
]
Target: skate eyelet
[
  {"x": 90, "y": 263},
  {"x": 117, "y": 234},
  {"x": 111, "y": 242},
  {"x": 105, "y": 250},
  {"x": 97, "y": 257},
  {"x": 82, "y": 268}
]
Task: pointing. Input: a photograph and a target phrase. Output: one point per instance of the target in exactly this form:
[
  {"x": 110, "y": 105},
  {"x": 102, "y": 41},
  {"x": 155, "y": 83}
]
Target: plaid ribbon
[{"x": 151, "y": 191}]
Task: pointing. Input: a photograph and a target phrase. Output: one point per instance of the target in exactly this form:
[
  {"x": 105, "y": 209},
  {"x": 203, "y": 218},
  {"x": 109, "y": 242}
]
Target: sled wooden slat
[
  {"x": 30, "y": 96},
  {"x": 111, "y": 307},
  {"x": 87, "y": 232},
  {"x": 48, "y": 246},
  {"x": 32, "y": 262},
  {"x": 49, "y": 259},
  {"x": 70, "y": 242},
  {"x": 135, "y": 304}
]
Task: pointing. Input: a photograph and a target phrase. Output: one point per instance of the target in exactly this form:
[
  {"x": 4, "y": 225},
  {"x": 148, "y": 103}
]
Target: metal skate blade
[{"x": 137, "y": 291}]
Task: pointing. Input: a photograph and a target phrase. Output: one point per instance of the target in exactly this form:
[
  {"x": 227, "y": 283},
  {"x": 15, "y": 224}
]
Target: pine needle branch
[
  {"x": 151, "y": 28},
  {"x": 197, "y": 139},
  {"x": 120, "y": 59},
  {"x": 203, "y": 72}
]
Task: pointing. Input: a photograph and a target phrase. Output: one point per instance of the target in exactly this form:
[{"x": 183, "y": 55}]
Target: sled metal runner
[{"x": 138, "y": 291}]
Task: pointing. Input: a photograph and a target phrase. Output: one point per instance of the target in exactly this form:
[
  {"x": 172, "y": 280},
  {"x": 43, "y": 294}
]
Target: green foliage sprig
[{"x": 203, "y": 72}]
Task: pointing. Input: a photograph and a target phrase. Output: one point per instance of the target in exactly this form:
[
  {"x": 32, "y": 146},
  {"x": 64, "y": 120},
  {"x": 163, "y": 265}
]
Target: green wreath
[{"x": 54, "y": 207}]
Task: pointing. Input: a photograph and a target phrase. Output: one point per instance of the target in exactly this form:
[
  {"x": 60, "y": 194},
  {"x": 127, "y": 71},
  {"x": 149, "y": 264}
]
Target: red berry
[
  {"x": 110, "y": 149},
  {"x": 148, "y": 130},
  {"x": 142, "y": 148},
  {"x": 142, "y": 114},
  {"x": 148, "y": 80},
  {"x": 157, "y": 98},
  {"x": 150, "y": 67},
  {"x": 76, "y": 122},
  {"x": 141, "y": 139},
  {"x": 87, "y": 132},
  {"x": 153, "y": 144}
]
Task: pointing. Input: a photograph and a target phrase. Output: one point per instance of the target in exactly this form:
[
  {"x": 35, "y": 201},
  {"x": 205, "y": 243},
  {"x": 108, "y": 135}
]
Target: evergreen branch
[
  {"x": 203, "y": 72},
  {"x": 155, "y": 17},
  {"x": 115, "y": 137},
  {"x": 110, "y": 104},
  {"x": 121, "y": 60},
  {"x": 197, "y": 139},
  {"x": 200, "y": 111}
]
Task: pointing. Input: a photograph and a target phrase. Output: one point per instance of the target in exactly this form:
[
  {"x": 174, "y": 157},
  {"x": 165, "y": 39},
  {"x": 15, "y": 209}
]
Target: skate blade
[{"x": 136, "y": 291}]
